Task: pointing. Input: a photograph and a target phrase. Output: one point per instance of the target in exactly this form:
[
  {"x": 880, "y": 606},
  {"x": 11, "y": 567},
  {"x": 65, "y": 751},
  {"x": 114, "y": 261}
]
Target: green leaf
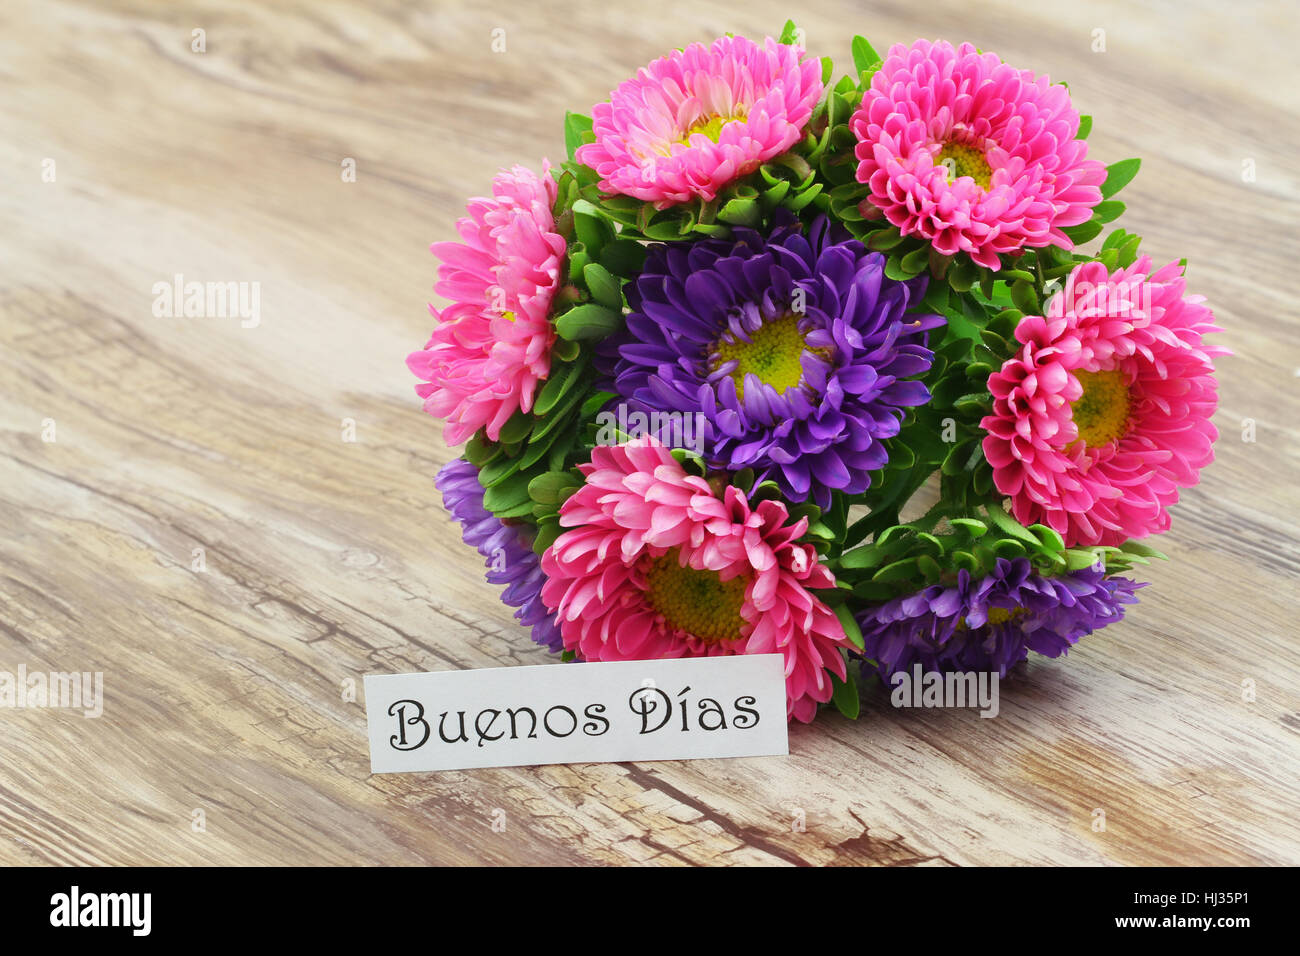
[
  {"x": 558, "y": 458},
  {"x": 933, "y": 545},
  {"x": 1084, "y": 232},
  {"x": 565, "y": 351},
  {"x": 883, "y": 240},
  {"x": 578, "y": 258},
  {"x": 901, "y": 532},
  {"x": 592, "y": 229},
  {"x": 497, "y": 471},
  {"x": 688, "y": 458},
  {"x": 820, "y": 529},
  {"x": 1005, "y": 322},
  {"x": 850, "y": 625},
  {"x": 1053, "y": 560},
  {"x": 864, "y": 57},
  {"x": 901, "y": 458},
  {"x": 1050, "y": 538},
  {"x": 623, "y": 257},
  {"x": 1128, "y": 252},
  {"x": 872, "y": 591},
  {"x": 1085, "y": 126},
  {"x": 864, "y": 558},
  {"x": 506, "y": 496},
  {"x": 845, "y": 696},
  {"x": 804, "y": 198},
  {"x": 1114, "y": 239},
  {"x": 479, "y": 451},
  {"x": 916, "y": 261},
  {"x": 1022, "y": 295},
  {"x": 668, "y": 230},
  {"x": 516, "y": 428},
  {"x": 929, "y": 567},
  {"x": 1144, "y": 550},
  {"x": 1076, "y": 559},
  {"x": 964, "y": 560},
  {"x": 740, "y": 212},
  {"x": 894, "y": 268},
  {"x": 962, "y": 274},
  {"x": 1118, "y": 175},
  {"x": 1108, "y": 211},
  {"x": 898, "y": 571},
  {"x": 939, "y": 263},
  {"x": 1008, "y": 548},
  {"x": 558, "y": 417},
  {"x": 936, "y": 298},
  {"x": 595, "y": 403},
  {"x": 789, "y": 32},
  {"x": 551, "y": 488},
  {"x": 961, "y": 327},
  {"x": 537, "y": 449},
  {"x": 1009, "y": 525},
  {"x": 603, "y": 286},
  {"x": 557, "y": 386},
  {"x": 548, "y": 529},
  {"x": 973, "y": 526},
  {"x": 998, "y": 343},
  {"x": 954, "y": 461},
  {"x": 774, "y": 194},
  {"x": 576, "y": 126},
  {"x": 522, "y": 510},
  {"x": 585, "y": 322}
]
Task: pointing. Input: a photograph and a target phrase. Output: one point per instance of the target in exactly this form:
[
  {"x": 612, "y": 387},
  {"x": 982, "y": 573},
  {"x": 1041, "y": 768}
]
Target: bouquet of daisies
[{"x": 701, "y": 368}]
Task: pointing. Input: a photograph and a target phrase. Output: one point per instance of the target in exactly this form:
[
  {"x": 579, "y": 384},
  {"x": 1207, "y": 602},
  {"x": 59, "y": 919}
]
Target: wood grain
[{"x": 327, "y": 559}]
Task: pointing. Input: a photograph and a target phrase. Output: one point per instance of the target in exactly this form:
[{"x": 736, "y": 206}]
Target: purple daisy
[
  {"x": 788, "y": 354},
  {"x": 992, "y": 623},
  {"x": 507, "y": 548}
]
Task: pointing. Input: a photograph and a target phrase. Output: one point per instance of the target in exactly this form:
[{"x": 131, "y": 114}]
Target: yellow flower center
[
  {"x": 698, "y": 602},
  {"x": 710, "y": 125},
  {"x": 774, "y": 353},
  {"x": 508, "y": 316},
  {"x": 997, "y": 615},
  {"x": 1000, "y": 615},
  {"x": 962, "y": 159},
  {"x": 1101, "y": 413}
]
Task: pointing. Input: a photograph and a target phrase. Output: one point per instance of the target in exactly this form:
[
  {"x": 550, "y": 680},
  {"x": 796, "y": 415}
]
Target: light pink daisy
[
  {"x": 656, "y": 565},
  {"x": 1105, "y": 412},
  {"x": 492, "y": 345},
  {"x": 693, "y": 121},
  {"x": 972, "y": 154}
]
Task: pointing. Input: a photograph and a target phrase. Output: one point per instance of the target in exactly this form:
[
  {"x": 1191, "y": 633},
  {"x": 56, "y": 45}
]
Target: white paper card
[{"x": 578, "y": 713}]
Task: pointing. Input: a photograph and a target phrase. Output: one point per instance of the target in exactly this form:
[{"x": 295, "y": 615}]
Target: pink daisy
[
  {"x": 1105, "y": 413},
  {"x": 693, "y": 121},
  {"x": 972, "y": 154},
  {"x": 656, "y": 565},
  {"x": 492, "y": 345}
]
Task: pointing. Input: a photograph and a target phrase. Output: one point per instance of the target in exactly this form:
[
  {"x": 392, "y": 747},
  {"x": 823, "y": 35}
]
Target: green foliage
[
  {"x": 902, "y": 558},
  {"x": 865, "y": 58},
  {"x": 844, "y": 695},
  {"x": 588, "y": 321},
  {"x": 1119, "y": 175},
  {"x": 577, "y": 130}
]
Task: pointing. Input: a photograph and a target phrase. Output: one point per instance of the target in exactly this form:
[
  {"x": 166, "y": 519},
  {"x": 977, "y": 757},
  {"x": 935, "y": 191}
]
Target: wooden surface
[{"x": 228, "y": 735}]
